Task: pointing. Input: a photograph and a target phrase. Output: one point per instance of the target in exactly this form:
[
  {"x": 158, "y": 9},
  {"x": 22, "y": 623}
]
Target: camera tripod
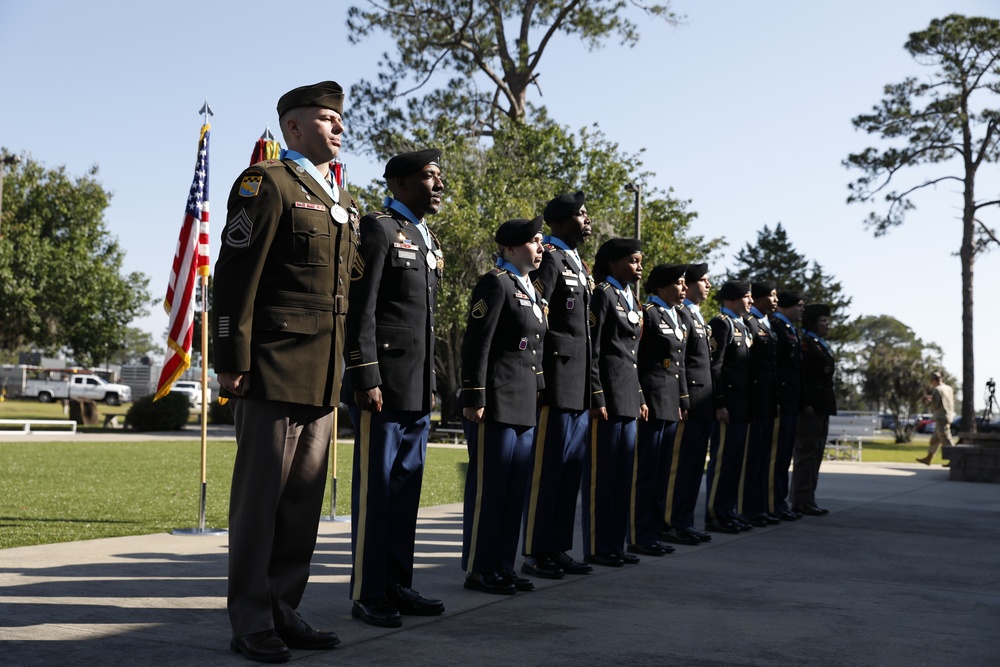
[{"x": 992, "y": 407}]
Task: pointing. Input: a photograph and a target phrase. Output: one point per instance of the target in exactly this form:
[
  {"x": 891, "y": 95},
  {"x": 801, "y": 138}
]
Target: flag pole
[
  {"x": 332, "y": 516},
  {"x": 206, "y": 111}
]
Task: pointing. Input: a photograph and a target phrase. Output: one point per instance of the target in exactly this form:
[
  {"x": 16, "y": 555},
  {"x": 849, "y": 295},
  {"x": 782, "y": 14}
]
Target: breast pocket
[{"x": 310, "y": 238}]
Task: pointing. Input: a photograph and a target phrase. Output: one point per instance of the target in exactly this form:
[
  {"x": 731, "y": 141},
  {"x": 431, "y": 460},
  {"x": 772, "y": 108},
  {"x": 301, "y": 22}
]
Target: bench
[
  {"x": 27, "y": 426},
  {"x": 453, "y": 436},
  {"x": 111, "y": 419},
  {"x": 844, "y": 437}
]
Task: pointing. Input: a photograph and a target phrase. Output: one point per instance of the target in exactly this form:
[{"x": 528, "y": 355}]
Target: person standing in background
[{"x": 942, "y": 402}]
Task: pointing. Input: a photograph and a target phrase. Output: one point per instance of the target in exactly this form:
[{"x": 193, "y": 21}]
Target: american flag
[{"x": 190, "y": 261}]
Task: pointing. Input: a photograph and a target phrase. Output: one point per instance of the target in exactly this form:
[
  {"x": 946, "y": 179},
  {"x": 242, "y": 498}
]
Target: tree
[
  {"x": 955, "y": 129},
  {"x": 773, "y": 257},
  {"x": 526, "y": 165},
  {"x": 491, "y": 49},
  {"x": 60, "y": 280},
  {"x": 895, "y": 368}
]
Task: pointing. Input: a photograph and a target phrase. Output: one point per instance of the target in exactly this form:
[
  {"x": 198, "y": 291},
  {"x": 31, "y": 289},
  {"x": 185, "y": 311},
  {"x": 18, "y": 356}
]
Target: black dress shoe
[
  {"x": 520, "y": 583},
  {"x": 608, "y": 560},
  {"x": 701, "y": 535},
  {"x": 263, "y": 646},
  {"x": 627, "y": 558},
  {"x": 377, "y": 611},
  {"x": 743, "y": 526},
  {"x": 411, "y": 603},
  {"x": 820, "y": 509},
  {"x": 787, "y": 515},
  {"x": 771, "y": 519},
  {"x": 569, "y": 565},
  {"x": 680, "y": 536},
  {"x": 489, "y": 582},
  {"x": 654, "y": 549},
  {"x": 542, "y": 566},
  {"x": 808, "y": 510},
  {"x": 758, "y": 521},
  {"x": 301, "y": 636},
  {"x": 721, "y": 526}
]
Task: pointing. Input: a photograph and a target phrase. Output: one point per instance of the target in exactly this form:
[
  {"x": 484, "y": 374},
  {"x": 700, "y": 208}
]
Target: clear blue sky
[{"x": 745, "y": 109}]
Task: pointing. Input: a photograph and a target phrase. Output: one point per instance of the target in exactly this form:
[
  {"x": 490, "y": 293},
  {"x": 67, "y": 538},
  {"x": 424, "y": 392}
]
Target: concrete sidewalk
[{"x": 905, "y": 570}]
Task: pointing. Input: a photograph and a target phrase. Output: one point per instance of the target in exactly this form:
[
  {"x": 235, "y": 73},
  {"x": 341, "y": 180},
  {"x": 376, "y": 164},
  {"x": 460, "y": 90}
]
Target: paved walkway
[{"x": 905, "y": 570}]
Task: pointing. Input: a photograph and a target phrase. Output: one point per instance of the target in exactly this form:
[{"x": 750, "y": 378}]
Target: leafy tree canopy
[{"x": 61, "y": 285}]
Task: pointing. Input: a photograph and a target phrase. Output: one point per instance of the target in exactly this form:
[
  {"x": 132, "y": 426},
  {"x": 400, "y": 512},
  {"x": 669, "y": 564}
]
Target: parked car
[
  {"x": 79, "y": 386},
  {"x": 925, "y": 425},
  {"x": 982, "y": 425},
  {"x": 191, "y": 389}
]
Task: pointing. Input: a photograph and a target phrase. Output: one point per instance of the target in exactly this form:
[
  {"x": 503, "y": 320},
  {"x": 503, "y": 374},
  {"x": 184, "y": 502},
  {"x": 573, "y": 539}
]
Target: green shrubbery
[
  {"x": 170, "y": 413},
  {"x": 219, "y": 414}
]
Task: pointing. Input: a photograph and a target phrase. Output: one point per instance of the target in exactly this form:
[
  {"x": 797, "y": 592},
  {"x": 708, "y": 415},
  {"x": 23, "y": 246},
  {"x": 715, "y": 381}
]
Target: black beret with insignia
[
  {"x": 762, "y": 288},
  {"x": 326, "y": 94},
  {"x": 564, "y": 206},
  {"x": 732, "y": 290},
  {"x": 696, "y": 272},
  {"x": 789, "y": 298},
  {"x": 405, "y": 164},
  {"x": 663, "y": 275},
  {"x": 518, "y": 231},
  {"x": 613, "y": 249}
]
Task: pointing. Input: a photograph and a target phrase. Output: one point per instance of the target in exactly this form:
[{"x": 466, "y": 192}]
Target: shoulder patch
[
  {"x": 238, "y": 230},
  {"x": 479, "y": 309},
  {"x": 250, "y": 184}
]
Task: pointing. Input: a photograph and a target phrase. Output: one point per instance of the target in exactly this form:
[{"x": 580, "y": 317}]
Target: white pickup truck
[{"x": 79, "y": 386}]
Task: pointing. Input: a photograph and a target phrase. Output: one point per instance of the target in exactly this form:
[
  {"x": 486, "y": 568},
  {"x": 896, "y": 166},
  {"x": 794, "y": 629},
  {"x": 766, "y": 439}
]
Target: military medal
[
  {"x": 432, "y": 261},
  {"x": 537, "y": 311},
  {"x": 339, "y": 214},
  {"x": 679, "y": 333},
  {"x": 633, "y": 317}
]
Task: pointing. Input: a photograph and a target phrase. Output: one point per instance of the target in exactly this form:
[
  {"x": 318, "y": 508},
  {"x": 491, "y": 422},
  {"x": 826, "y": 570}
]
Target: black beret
[
  {"x": 405, "y": 164},
  {"x": 663, "y": 275},
  {"x": 816, "y": 310},
  {"x": 696, "y": 272},
  {"x": 732, "y": 290},
  {"x": 762, "y": 288},
  {"x": 789, "y": 298},
  {"x": 613, "y": 249},
  {"x": 518, "y": 231},
  {"x": 326, "y": 94},
  {"x": 564, "y": 206}
]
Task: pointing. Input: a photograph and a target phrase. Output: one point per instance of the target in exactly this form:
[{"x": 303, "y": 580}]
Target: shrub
[
  {"x": 219, "y": 414},
  {"x": 170, "y": 413}
]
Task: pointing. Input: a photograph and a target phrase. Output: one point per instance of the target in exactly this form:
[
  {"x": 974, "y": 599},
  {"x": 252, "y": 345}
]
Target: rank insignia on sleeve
[
  {"x": 358, "y": 269},
  {"x": 537, "y": 284},
  {"x": 479, "y": 309},
  {"x": 712, "y": 344},
  {"x": 593, "y": 319},
  {"x": 250, "y": 185},
  {"x": 238, "y": 230}
]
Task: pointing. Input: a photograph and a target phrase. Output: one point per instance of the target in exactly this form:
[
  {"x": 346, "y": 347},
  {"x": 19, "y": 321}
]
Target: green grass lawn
[{"x": 68, "y": 491}]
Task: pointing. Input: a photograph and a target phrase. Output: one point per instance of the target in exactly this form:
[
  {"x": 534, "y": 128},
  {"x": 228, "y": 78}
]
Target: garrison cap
[
  {"x": 326, "y": 94},
  {"x": 518, "y": 231},
  {"x": 564, "y": 206},
  {"x": 405, "y": 164},
  {"x": 732, "y": 290},
  {"x": 789, "y": 298},
  {"x": 663, "y": 275},
  {"x": 762, "y": 288},
  {"x": 613, "y": 249},
  {"x": 696, "y": 272}
]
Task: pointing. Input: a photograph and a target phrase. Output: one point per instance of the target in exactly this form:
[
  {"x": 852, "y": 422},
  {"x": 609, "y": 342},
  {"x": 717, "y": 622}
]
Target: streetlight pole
[
  {"x": 4, "y": 161},
  {"x": 637, "y": 189}
]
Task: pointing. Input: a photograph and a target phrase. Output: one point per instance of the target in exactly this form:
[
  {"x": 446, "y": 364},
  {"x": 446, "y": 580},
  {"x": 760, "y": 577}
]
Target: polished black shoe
[
  {"x": 701, "y": 535},
  {"x": 489, "y": 582},
  {"x": 808, "y": 510},
  {"x": 263, "y": 646},
  {"x": 820, "y": 509},
  {"x": 569, "y": 565},
  {"x": 788, "y": 515},
  {"x": 721, "y": 526},
  {"x": 411, "y": 603},
  {"x": 744, "y": 526},
  {"x": 542, "y": 566},
  {"x": 377, "y": 611},
  {"x": 654, "y": 549},
  {"x": 680, "y": 536},
  {"x": 758, "y": 521},
  {"x": 301, "y": 636},
  {"x": 769, "y": 518},
  {"x": 608, "y": 560},
  {"x": 520, "y": 583},
  {"x": 627, "y": 558}
]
